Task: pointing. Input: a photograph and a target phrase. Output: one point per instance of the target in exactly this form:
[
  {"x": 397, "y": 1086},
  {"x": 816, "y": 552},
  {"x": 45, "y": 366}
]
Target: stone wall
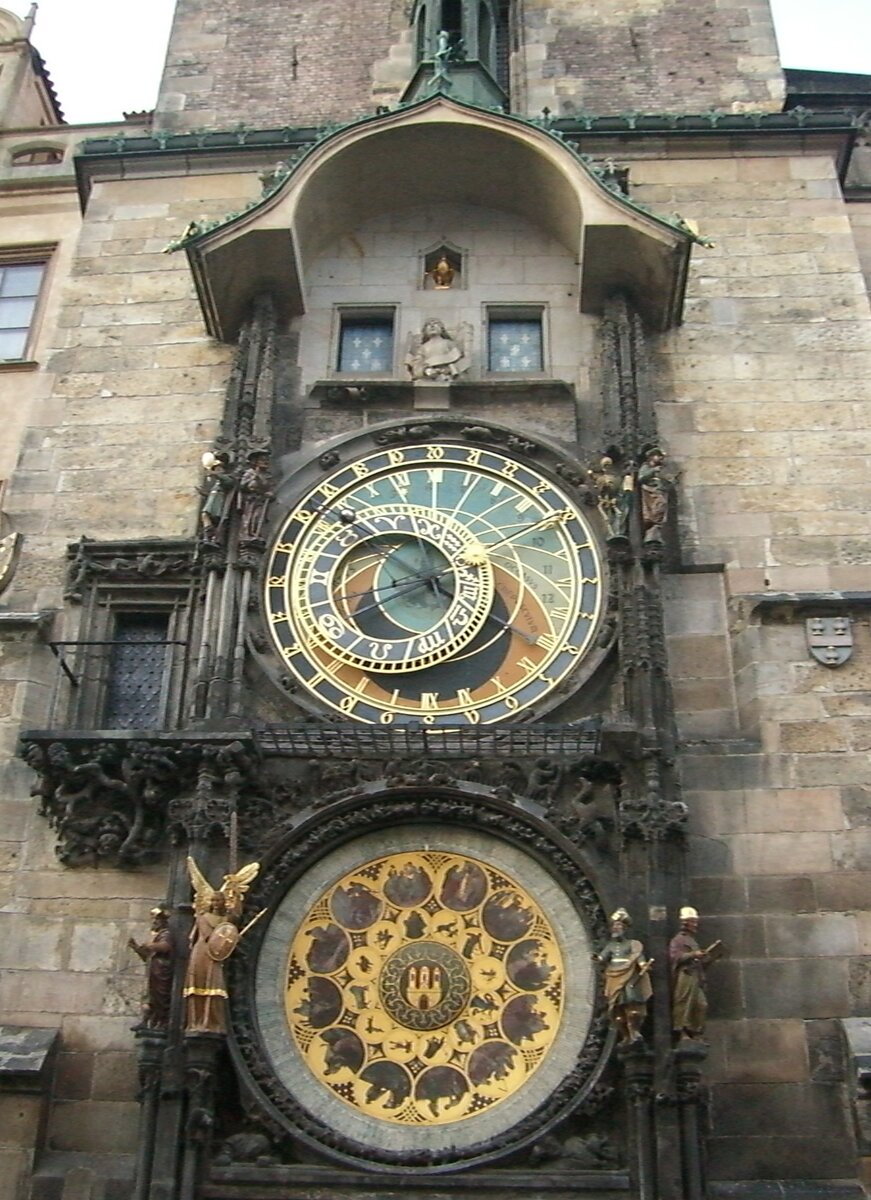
[
  {"x": 645, "y": 56},
  {"x": 762, "y": 412},
  {"x": 764, "y": 385},
  {"x": 129, "y": 393},
  {"x": 301, "y": 64},
  {"x": 765, "y": 415},
  {"x": 272, "y": 66},
  {"x": 133, "y": 387},
  {"x": 504, "y": 258}
]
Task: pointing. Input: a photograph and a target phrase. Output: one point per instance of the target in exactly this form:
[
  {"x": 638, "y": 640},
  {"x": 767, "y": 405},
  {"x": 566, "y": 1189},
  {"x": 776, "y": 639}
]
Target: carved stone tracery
[{"x": 145, "y": 561}]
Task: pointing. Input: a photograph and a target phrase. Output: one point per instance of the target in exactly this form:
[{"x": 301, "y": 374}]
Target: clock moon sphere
[{"x": 439, "y": 583}]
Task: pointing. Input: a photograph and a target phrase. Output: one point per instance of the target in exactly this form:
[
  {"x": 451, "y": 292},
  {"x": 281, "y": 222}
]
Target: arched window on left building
[{"x": 37, "y": 156}]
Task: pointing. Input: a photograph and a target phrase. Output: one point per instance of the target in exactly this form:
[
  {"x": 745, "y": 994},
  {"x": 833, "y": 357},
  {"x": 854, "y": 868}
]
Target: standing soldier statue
[
  {"x": 157, "y": 954},
  {"x": 626, "y": 983},
  {"x": 689, "y": 1002}
]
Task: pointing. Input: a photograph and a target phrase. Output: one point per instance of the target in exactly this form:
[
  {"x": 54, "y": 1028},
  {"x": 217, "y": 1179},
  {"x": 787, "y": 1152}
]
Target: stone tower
[{"x": 310, "y": 63}]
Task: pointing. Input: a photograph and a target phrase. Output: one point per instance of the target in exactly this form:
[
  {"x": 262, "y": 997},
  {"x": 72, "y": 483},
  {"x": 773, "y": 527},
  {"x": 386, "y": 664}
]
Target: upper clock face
[{"x": 443, "y": 583}]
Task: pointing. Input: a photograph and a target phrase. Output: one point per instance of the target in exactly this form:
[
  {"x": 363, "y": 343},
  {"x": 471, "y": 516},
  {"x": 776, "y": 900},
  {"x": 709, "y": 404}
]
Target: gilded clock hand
[
  {"x": 531, "y": 641},
  {"x": 368, "y": 591},
  {"x": 415, "y": 576},
  {"x": 349, "y": 517},
  {"x": 432, "y": 578},
  {"x": 549, "y": 518},
  {"x": 408, "y": 587},
  {"x": 491, "y": 616},
  {"x": 552, "y": 518}
]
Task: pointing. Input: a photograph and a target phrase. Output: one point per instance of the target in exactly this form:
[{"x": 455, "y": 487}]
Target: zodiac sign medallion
[{"x": 424, "y": 987}]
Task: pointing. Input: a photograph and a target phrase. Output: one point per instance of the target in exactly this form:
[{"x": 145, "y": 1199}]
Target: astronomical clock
[
  {"x": 439, "y": 582},
  {"x": 422, "y": 991}
]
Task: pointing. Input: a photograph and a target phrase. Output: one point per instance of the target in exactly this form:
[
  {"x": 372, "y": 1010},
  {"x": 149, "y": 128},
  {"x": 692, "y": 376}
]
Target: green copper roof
[{"x": 558, "y": 131}]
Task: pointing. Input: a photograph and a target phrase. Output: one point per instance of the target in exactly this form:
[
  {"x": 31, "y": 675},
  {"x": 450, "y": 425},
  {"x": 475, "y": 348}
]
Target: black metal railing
[
  {"x": 118, "y": 683},
  {"x": 418, "y": 740}
]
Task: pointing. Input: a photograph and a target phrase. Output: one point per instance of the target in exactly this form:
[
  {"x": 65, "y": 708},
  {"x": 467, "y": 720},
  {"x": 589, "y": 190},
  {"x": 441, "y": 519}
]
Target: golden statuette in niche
[{"x": 424, "y": 987}]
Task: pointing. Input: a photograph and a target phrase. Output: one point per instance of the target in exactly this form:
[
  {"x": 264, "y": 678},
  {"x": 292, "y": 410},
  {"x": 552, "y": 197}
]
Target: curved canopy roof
[{"x": 439, "y": 150}]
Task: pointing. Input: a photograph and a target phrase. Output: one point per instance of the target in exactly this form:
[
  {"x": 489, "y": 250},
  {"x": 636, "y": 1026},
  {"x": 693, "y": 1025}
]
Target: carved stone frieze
[
  {"x": 576, "y": 1152},
  {"x": 142, "y": 561},
  {"x": 649, "y": 814},
  {"x": 107, "y": 802},
  {"x": 120, "y": 801},
  {"x": 578, "y": 795}
]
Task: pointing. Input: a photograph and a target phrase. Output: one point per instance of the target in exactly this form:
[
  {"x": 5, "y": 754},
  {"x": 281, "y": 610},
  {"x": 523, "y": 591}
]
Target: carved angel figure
[
  {"x": 213, "y": 938},
  {"x": 438, "y": 354}
]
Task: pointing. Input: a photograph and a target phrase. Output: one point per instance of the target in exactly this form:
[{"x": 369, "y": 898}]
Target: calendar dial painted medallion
[{"x": 442, "y": 583}]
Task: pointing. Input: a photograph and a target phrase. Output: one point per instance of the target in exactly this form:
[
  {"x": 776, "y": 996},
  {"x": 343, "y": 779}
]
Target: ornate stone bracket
[{"x": 119, "y": 800}]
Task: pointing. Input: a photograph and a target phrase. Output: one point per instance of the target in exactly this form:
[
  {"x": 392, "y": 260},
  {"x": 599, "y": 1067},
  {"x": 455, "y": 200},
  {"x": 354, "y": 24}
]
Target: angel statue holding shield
[{"x": 213, "y": 938}]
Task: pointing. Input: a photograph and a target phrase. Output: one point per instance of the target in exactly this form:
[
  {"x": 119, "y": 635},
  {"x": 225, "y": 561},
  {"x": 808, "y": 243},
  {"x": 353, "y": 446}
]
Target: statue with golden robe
[{"x": 213, "y": 938}]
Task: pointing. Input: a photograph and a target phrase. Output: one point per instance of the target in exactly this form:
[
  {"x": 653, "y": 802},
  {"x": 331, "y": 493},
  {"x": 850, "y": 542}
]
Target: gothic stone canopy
[{"x": 434, "y": 151}]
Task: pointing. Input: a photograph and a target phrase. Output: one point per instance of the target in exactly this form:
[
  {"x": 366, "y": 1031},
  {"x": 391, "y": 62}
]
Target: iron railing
[{"x": 417, "y": 740}]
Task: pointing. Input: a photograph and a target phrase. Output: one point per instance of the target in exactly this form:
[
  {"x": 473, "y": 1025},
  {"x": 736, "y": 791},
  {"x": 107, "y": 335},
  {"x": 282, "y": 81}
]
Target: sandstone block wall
[
  {"x": 763, "y": 410},
  {"x": 333, "y": 61},
  {"x": 128, "y": 395},
  {"x": 133, "y": 387},
  {"x": 297, "y": 64},
  {"x": 765, "y": 415},
  {"x": 505, "y": 259},
  {"x": 646, "y": 56}
]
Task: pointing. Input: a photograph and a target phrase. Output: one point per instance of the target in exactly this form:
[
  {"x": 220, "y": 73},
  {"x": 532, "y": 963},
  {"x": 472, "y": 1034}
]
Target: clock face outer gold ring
[
  {"x": 428, "y": 997},
  {"x": 375, "y": 615}
]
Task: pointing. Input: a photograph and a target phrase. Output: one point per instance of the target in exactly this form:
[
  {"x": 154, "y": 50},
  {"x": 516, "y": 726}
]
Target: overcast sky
[{"x": 106, "y": 56}]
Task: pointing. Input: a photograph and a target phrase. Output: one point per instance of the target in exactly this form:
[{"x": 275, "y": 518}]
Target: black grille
[{"x": 137, "y": 668}]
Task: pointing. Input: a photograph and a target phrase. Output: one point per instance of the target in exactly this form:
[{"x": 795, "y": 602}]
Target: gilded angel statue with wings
[{"x": 213, "y": 938}]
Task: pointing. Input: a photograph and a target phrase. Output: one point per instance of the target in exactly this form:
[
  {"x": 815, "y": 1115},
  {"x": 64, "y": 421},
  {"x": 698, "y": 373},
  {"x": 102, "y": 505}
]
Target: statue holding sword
[{"x": 213, "y": 938}]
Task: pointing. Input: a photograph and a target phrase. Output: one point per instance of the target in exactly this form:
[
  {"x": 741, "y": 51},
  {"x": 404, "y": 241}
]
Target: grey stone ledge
[
  {"x": 789, "y": 1189},
  {"x": 20, "y": 622},
  {"x": 25, "y": 1058},
  {"x": 763, "y": 602}
]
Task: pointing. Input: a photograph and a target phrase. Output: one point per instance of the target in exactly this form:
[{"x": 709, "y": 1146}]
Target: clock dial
[{"x": 442, "y": 583}]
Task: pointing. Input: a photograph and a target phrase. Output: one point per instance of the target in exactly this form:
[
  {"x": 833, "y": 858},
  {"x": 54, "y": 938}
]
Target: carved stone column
[
  {"x": 651, "y": 815},
  {"x": 201, "y": 1062},
  {"x": 689, "y": 1057},
  {"x": 638, "y": 1072},
  {"x": 150, "y": 1045},
  {"x": 231, "y": 544}
]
